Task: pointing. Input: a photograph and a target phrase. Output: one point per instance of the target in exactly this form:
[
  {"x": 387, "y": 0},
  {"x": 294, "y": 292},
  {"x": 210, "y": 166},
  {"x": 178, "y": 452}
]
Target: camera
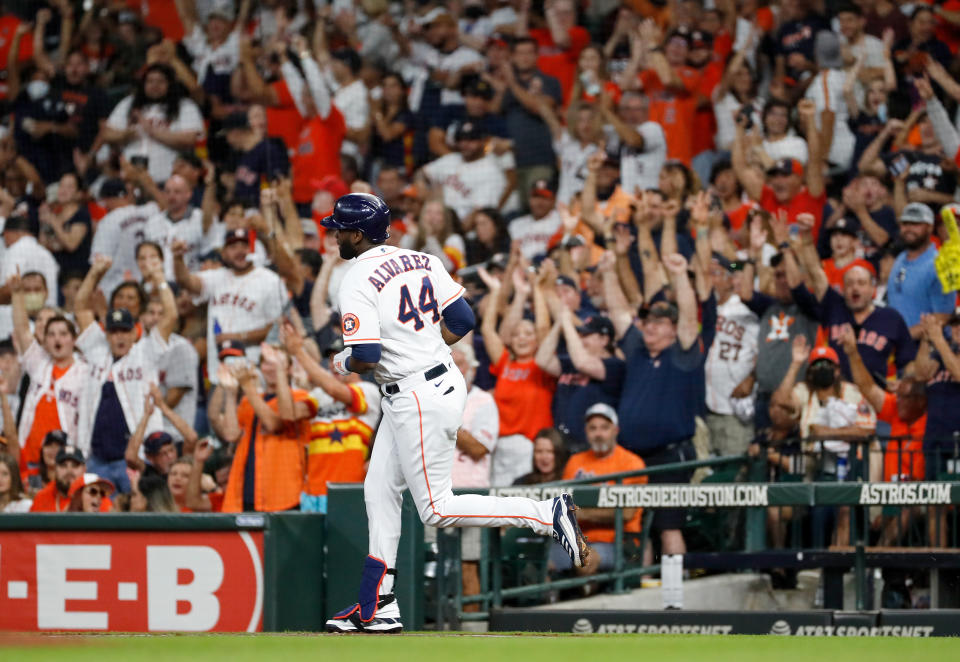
[{"x": 745, "y": 114}]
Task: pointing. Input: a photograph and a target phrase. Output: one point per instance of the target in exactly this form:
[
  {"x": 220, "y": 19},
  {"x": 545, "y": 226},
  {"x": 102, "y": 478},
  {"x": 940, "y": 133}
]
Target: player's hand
[
  {"x": 800, "y": 349},
  {"x": 226, "y": 379},
  {"x": 848, "y": 340},
  {"x": 179, "y": 247},
  {"x": 291, "y": 339},
  {"x": 676, "y": 264},
  {"x": 102, "y": 264},
  {"x": 339, "y": 361}
]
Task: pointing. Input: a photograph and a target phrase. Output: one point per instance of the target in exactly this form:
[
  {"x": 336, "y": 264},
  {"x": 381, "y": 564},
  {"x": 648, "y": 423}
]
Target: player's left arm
[{"x": 458, "y": 320}]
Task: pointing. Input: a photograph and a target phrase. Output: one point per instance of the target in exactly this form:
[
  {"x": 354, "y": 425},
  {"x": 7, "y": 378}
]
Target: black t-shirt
[
  {"x": 268, "y": 158},
  {"x": 926, "y": 171},
  {"x": 50, "y": 154},
  {"x": 78, "y": 260},
  {"x": 577, "y": 392},
  {"x": 394, "y": 152},
  {"x": 86, "y": 105},
  {"x": 532, "y": 140},
  {"x": 943, "y": 414},
  {"x": 798, "y": 37}
]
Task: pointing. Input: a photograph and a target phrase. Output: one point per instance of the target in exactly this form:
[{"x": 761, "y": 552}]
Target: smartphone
[
  {"x": 140, "y": 161},
  {"x": 898, "y": 165}
]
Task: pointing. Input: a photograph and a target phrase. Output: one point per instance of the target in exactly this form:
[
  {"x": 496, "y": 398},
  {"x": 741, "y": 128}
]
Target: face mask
[
  {"x": 882, "y": 112},
  {"x": 33, "y": 301},
  {"x": 822, "y": 374},
  {"x": 37, "y": 89}
]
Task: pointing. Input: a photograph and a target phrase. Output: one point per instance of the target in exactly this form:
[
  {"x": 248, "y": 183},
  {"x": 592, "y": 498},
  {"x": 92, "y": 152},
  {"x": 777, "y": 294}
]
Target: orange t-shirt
[
  {"x": 902, "y": 458},
  {"x": 674, "y": 109},
  {"x": 284, "y": 120},
  {"x": 801, "y": 203},
  {"x": 318, "y": 153},
  {"x": 160, "y": 14},
  {"x": 560, "y": 63},
  {"x": 835, "y": 274},
  {"x": 279, "y": 461},
  {"x": 46, "y": 418},
  {"x": 339, "y": 448},
  {"x": 705, "y": 124},
  {"x": 48, "y": 500},
  {"x": 524, "y": 394},
  {"x": 587, "y": 464}
]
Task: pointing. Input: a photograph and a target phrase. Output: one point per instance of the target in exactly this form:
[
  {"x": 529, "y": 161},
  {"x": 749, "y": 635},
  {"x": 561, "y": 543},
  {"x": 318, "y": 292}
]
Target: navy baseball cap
[
  {"x": 231, "y": 348},
  {"x": 119, "y": 319},
  {"x": 845, "y": 226},
  {"x": 70, "y": 453},
  {"x": 156, "y": 441},
  {"x": 469, "y": 131},
  {"x": 237, "y": 235},
  {"x": 113, "y": 188},
  {"x": 596, "y": 324},
  {"x": 238, "y": 120},
  {"x": 55, "y": 437},
  {"x": 567, "y": 280}
]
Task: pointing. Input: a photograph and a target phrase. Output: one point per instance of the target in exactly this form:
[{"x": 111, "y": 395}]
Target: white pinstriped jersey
[
  {"x": 395, "y": 297},
  {"x": 239, "y": 303}
]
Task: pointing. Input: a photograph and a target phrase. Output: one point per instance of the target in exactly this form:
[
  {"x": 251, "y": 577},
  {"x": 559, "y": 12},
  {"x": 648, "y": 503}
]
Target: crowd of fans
[{"x": 688, "y": 227}]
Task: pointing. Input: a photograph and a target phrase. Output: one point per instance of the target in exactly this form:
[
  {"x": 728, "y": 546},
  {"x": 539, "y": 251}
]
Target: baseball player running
[{"x": 400, "y": 310}]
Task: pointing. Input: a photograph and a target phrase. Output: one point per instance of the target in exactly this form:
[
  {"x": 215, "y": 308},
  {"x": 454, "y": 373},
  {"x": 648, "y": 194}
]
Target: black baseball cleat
[{"x": 566, "y": 530}]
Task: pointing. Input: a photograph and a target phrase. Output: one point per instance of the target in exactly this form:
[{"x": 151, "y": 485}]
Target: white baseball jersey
[
  {"x": 67, "y": 390},
  {"x": 117, "y": 236},
  {"x": 640, "y": 169},
  {"x": 733, "y": 353},
  {"x": 534, "y": 235},
  {"x": 573, "y": 165},
  {"x": 482, "y": 420},
  {"x": 467, "y": 185},
  {"x": 27, "y": 255},
  {"x": 239, "y": 303},
  {"x": 163, "y": 231},
  {"x": 131, "y": 376},
  {"x": 395, "y": 297},
  {"x": 161, "y": 157}
]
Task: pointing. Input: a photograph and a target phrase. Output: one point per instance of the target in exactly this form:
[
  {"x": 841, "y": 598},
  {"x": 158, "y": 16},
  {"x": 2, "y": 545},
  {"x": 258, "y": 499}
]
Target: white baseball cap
[
  {"x": 917, "y": 212},
  {"x": 602, "y": 409}
]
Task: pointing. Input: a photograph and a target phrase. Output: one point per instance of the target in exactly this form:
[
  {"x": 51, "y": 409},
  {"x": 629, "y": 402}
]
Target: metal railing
[{"x": 814, "y": 485}]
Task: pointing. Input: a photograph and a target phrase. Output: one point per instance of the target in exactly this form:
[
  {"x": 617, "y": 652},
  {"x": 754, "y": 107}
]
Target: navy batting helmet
[{"x": 361, "y": 212}]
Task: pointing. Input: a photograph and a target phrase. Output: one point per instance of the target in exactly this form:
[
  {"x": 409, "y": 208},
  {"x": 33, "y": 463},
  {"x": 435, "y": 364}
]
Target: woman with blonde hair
[{"x": 436, "y": 235}]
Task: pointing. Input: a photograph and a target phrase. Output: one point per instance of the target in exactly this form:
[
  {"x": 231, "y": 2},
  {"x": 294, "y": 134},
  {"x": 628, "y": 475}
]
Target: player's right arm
[
  {"x": 83, "y": 306},
  {"x": 185, "y": 278},
  {"x": 360, "y": 325}
]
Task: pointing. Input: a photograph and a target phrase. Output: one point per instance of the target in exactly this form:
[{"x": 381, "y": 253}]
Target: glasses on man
[{"x": 96, "y": 492}]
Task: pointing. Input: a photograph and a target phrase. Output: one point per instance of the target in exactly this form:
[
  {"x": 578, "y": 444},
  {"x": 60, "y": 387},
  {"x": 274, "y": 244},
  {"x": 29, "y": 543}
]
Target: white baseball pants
[{"x": 414, "y": 448}]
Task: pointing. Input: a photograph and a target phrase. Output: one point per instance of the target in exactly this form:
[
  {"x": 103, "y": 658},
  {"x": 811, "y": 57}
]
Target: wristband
[{"x": 784, "y": 245}]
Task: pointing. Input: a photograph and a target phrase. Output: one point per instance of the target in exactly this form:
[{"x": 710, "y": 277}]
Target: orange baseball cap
[
  {"x": 89, "y": 479},
  {"x": 824, "y": 352}
]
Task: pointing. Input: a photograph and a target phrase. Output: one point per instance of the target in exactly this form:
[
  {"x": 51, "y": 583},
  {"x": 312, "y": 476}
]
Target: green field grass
[{"x": 468, "y": 648}]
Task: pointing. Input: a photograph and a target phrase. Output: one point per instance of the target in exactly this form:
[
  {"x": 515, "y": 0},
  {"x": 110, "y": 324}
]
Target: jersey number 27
[{"x": 428, "y": 304}]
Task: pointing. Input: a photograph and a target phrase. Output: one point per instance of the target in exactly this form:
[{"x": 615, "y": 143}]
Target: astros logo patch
[{"x": 350, "y": 324}]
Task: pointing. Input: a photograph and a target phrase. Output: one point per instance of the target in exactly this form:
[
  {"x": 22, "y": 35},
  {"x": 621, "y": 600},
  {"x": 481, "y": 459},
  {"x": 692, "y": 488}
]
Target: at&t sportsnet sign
[
  {"x": 131, "y": 581},
  {"x": 821, "y": 623}
]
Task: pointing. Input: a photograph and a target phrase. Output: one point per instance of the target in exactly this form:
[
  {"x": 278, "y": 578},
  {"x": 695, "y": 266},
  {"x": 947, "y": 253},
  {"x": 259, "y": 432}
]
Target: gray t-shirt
[
  {"x": 178, "y": 368},
  {"x": 779, "y": 324}
]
